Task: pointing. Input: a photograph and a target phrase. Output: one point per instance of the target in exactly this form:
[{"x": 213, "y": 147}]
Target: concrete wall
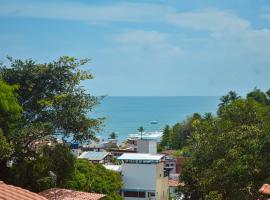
[
  {"x": 162, "y": 188},
  {"x": 139, "y": 176},
  {"x": 147, "y": 146}
]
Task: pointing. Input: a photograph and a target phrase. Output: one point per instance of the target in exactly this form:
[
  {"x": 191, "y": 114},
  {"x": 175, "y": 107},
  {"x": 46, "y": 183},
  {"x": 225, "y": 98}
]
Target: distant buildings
[
  {"x": 141, "y": 145},
  {"x": 96, "y": 157},
  {"x": 143, "y": 177}
]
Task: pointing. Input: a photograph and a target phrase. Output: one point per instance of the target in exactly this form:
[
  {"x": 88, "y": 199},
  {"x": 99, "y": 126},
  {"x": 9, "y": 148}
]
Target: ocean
[{"x": 124, "y": 115}]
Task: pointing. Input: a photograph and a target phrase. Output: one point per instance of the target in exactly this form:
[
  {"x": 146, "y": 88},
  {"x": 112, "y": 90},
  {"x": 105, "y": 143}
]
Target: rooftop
[
  {"x": 265, "y": 189},
  {"x": 117, "y": 168},
  {"x": 10, "y": 192},
  {"x": 140, "y": 156},
  {"x": 175, "y": 183},
  {"x": 64, "y": 194},
  {"x": 94, "y": 155}
]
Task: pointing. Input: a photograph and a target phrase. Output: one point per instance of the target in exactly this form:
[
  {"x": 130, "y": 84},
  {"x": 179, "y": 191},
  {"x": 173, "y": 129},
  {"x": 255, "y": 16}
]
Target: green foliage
[
  {"x": 10, "y": 110},
  {"x": 113, "y": 135},
  {"x": 228, "y": 153},
  {"x": 166, "y": 137},
  {"x": 50, "y": 93},
  {"x": 34, "y": 173},
  {"x": 5, "y": 147},
  {"x": 95, "y": 178},
  {"x": 141, "y": 130},
  {"x": 259, "y": 96},
  {"x": 49, "y": 102},
  {"x": 213, "y": 195},
  {"x": 178, "y": 136}
]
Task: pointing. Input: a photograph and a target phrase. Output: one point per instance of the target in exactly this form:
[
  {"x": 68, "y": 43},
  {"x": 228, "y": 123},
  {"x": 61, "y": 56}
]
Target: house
[
  {"x": 170, "y": 164},
  {"x": 10, "y": 192},
  {"x": 118, "y": 152},
  {"x": 147, "y": 146},
  {"x": 141, "y": 145},
  {"x": 96, "y": 157},
  {"x": 64, "y": 194},
  {"x": 174, "y": 186},
  {"x": 143, "y": 177}
]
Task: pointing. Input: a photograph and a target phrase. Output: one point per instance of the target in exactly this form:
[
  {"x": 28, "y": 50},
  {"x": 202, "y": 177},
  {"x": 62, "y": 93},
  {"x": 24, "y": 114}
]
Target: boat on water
[{"x": 154, "y": 122}]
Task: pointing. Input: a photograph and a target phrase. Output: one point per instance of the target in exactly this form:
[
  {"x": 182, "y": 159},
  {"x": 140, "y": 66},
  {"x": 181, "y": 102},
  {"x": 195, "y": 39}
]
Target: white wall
[
  {"x": 139, "y": 176},
  {"x": 146, "y": 146}
]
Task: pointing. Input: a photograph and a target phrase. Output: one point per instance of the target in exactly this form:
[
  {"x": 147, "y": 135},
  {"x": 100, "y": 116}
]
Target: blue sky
[{"x": 147, "y": 48}]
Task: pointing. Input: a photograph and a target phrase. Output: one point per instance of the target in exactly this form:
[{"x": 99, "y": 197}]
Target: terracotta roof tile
[
  {"x": 175, "y": 183},
  {"x": 265, "y": 189},
  {"x": 10, "y": 192},
  {"x": 64, "y": 194}
]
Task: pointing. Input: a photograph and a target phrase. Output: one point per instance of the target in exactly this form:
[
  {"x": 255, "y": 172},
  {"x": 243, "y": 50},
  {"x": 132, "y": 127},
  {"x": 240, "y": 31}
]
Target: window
[
  {"x": 134, "y": 194},
  {"x": 151, "y": 194}
]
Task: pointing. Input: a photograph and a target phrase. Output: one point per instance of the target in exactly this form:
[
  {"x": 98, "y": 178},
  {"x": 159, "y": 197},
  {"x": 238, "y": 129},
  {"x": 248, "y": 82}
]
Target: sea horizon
[{"x": 125, "y": 114}]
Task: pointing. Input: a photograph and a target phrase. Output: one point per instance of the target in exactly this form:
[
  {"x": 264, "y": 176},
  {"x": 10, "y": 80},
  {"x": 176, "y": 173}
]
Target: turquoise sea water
[{"x": 125, "y": 114}]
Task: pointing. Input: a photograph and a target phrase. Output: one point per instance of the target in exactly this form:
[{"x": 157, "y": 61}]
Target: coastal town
[{"x": 134, "y": 100}]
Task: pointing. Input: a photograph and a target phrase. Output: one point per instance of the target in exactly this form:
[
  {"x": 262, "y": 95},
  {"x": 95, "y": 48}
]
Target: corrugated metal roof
[
  {"x": 94, "y": 155},
  {"x": 140, "y": 156},
  {"x": 10, "y": 192}
]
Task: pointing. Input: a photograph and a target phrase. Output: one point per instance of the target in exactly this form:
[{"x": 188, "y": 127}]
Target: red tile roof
[
  {"x": 64, "y": 194},
  {"x": 10, "y": 192},
  {"x": 175, "y": 183},
  {"x": 265, "y": 189}
]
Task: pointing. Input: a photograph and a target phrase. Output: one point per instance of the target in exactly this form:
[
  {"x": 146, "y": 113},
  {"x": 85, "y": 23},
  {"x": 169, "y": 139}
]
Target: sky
[{"x": 147, "y": 47}]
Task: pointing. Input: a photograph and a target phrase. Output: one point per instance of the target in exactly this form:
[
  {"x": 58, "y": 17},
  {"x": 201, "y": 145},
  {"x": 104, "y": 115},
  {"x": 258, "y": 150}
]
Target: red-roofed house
[{"x": 10, "y": 192}]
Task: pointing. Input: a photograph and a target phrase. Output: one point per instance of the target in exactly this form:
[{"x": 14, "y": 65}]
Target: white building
[
  {"x": 147, "y": 146},
  {"x": 143, "y": 177}
]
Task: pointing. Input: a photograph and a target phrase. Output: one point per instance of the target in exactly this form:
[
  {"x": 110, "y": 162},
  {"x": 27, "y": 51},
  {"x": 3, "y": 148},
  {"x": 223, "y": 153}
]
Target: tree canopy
[
  {"x": 229, "y": 152},
  {"x": 96, "y": 178},
  {"x": 42, "y": 102}
]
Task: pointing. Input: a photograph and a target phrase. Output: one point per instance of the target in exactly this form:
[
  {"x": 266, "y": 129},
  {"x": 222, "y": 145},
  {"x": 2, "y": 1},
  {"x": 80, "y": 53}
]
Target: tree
[
  {"x": 228, "y": 153},
  {"x": 52, "y": 99},
  {"x": 34, "y": 174},
  {"x": 113, "y": 135},
  {"x": 96, "y": 178},
  {"x": 227, "y": 99},
  {"x": 10, "y": 113},
  {"x": 178, "y": 136},
  {"x": 259, "y": 96},
  {"x": 53, "y": 104},
  {"x": 10, "y": 110},
  {"x": 165, "y": 140},
  {"x": 51, "y": 93},
  {"x": 141, "y": 130}
]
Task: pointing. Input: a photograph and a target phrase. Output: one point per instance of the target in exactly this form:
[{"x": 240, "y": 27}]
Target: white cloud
[
  {"x": 209, "y": 20},
  {"x": 266, "y": 16},
  {"x": 120, "y": 12},
  {"x": 149, "y": 42}
]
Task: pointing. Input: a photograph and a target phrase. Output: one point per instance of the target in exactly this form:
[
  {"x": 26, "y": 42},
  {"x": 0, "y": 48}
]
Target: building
[
  {"x": 174, "y": 186},
  {"x": 170, "y": 164},
  {"x": 143, "y": 177},
  {"x": 96, "y": 157},
  {"x": 10, "y": 192},
  {"x": 147, "y": 146},
  {"x": 64, "y": 194},
  {"x": 118, "y": 152}
]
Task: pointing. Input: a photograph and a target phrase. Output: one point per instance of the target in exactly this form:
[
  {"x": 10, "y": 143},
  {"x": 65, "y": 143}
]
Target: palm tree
[
  {"x": 141, "y": 130},
  {"x": 113, "y": 135}
]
